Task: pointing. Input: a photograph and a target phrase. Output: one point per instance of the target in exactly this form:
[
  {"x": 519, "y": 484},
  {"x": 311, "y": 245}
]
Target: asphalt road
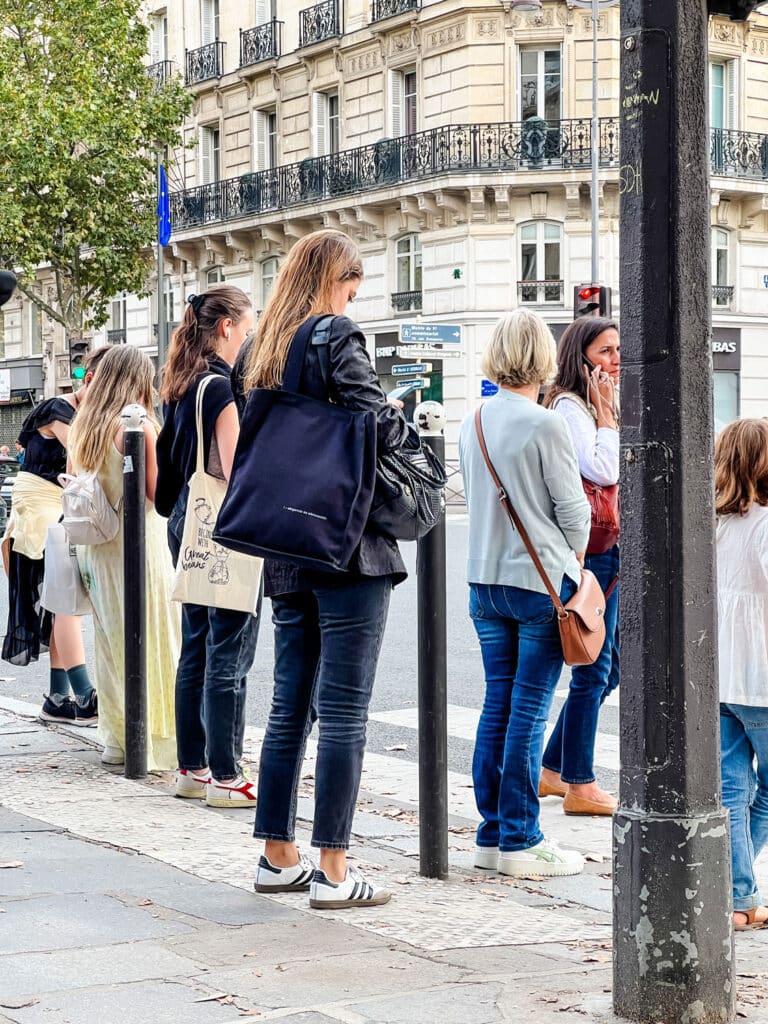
[{"x": 396, "y": 683}]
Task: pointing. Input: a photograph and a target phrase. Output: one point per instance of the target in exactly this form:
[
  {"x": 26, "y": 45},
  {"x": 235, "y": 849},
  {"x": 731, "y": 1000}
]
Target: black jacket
[{"x": 353, "y": 383}]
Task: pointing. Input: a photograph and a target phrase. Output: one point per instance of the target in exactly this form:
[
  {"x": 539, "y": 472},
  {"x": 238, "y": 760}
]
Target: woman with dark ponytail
[{"x": 217, "y": 645}]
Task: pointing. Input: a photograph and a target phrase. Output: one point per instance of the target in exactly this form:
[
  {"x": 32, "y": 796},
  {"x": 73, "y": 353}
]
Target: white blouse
[
  {"x": 596, "y": 449},
  {"x": 742, "y": 604}
]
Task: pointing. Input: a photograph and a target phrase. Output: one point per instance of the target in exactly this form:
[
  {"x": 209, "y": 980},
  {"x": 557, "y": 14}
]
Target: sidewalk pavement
[{"x": 118, "y": 902}]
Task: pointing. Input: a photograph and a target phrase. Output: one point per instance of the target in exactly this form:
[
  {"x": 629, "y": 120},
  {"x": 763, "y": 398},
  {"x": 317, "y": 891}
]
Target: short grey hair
[{"x": 520, "y": 351}]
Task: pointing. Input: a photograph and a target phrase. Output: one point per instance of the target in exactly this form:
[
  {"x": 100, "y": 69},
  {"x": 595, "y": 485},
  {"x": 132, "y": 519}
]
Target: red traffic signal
[{"x": 591, "y": 300}]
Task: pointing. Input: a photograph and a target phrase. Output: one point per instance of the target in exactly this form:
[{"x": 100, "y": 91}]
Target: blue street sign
[
  {"x": 408, "y": 369},
  {"x": 488, "y": 389},
  {"x": 430, "y": 334}
]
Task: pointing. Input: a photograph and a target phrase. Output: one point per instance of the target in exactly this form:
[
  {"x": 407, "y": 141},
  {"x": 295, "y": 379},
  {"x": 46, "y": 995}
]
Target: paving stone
[
  {"x": 460, "y": 1004},
  {"x": 351, "y": 975},
  {"x": 311, "y": 1017},
  {"x": 17, "y": 745},
  {"x": 71, "y": 920},
  {"x": 29, "y": 974},
  {"x": 10, "y": 821},
  {"x": 156, "y": 1002},
  {"x": 511, "y": 961}
]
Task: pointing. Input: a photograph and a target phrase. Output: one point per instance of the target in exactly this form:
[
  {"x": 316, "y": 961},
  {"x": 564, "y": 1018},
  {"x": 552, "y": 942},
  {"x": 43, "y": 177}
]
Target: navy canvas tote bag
[{"x": 303, "y": 475}]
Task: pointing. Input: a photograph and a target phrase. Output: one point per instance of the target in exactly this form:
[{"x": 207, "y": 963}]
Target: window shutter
[
  {"x": 263, "y": 11},
  {"x": 157, "y": 39},
  {"x": 395, "y": 104},
  {"x": 206, "y": 156},
  {"x": 261, "y": 153},
  {"x": 207, "y": 22},
  {"x": 731, "y": 93},
  {"x": 320, "y": 123}
]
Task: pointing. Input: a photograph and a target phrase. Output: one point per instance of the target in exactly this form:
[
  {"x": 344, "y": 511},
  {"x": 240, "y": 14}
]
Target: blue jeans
[
  {"x": 217, "y": 650},
  {"x": 327, "y": 643},
  {"x": 522, "y": 657},
  {"x": 744, "y": 741},
  {"x": 571, "y": 748}
]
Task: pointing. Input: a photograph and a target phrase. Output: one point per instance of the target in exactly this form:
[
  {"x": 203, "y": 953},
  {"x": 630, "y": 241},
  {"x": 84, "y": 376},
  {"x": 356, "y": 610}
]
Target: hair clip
[{"x": 196, "y": 302}]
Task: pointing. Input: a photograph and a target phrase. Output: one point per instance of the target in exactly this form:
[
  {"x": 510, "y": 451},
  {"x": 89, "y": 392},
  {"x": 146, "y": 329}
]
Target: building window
[
  {"x": 209, "y": 21},
  {"x": 265, "y": 11},
  {"x": 325, "y": 122},
  {"x": 541, "y": 262},
  {"x": 540, "y": 84},
  {"x": 723, "y": 112},
  {"x": 158, "y": 37},
  {"x": 35, "y": 329},
  {"x": 726, "y": 396},
  {"x": 268, "y": 274},
  {"x": 403, "y": 103},
  {"x": 214, "y": 277},
  {"x": 265, "y": 139},
  {"x": 409, "y": 264},
  {"x": 210, "y": 155},
  {"x": 722, "y": 290}
]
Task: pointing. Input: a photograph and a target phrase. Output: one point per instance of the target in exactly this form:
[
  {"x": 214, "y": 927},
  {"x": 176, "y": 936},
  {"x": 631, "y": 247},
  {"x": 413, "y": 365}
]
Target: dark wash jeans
[
  {"x": 523, "y": 658},
  {"x": 571, "y": 748},
  {"x": 327, "y": 643},
  {"x": 217, "y": 650}
]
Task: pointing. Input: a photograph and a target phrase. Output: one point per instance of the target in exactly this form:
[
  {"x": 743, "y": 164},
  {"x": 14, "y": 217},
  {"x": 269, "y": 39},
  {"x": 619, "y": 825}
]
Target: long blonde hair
[
  {"x": 741, "y": 467},
  {"x": 193, "y": 344},
  {"x": 123, "y": 376},
  {"x": 304, "y": 287}
]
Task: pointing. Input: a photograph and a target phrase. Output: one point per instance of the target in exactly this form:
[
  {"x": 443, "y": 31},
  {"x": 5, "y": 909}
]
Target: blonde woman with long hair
[
  {"x": 328, "y": 626},
  {"x": 96, "y": 444}
]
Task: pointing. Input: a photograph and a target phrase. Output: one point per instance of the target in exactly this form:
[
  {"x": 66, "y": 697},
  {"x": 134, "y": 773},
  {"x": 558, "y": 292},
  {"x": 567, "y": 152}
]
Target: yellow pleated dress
[{"x": 101, "y": 566}]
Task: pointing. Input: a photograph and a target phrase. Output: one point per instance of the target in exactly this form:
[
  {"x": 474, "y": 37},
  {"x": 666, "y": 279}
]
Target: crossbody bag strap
[
  {"x": 515, "y": 519},
  {"x": 200, "y": 462}
]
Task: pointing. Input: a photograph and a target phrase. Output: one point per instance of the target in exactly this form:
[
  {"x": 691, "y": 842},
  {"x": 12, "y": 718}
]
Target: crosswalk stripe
[{"x": 462, "y": 725}]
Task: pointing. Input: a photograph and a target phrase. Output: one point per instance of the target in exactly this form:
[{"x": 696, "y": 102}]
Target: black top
[
  {"x": 177, "y": 441},
  {"x": 45, "y": 456},
  {"x": 353, "y": 383}
]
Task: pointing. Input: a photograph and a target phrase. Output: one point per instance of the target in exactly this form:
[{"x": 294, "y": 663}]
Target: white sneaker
[
  {"x": 293, "y": 879},
  {"x": 487, "y": 858},
  {"x": 192, "y": 785},
  {"x": 239, "y": 792},
  {"x": 354, "y": 891},
  {"x": 112, "y": 755},
  {"x": 546, "y": 858}
]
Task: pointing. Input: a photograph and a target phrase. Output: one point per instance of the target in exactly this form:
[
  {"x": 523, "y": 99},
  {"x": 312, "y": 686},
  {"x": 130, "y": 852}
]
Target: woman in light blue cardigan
[{"x": 513, "y": 615}]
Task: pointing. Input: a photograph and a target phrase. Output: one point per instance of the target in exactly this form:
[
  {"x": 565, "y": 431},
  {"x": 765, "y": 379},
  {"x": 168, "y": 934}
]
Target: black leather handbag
[{"x": 409, "y": 495}]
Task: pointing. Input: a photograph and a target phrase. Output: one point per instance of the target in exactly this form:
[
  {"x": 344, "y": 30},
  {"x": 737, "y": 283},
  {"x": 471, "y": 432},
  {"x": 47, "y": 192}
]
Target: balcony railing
[
  {"x": 160, "y": 72},
  {"x": 505, "y": 148},
  {"x": 319, "y": 22},
  {"x": 722, "y": 294},
  {"x": 381, "y": 9},
  {"x": 739, "y": 154},
  {"x": 260, "y": 43},
  {"x": 540, "y": 292},
  {"x": 404, "y": 302},
  {"x": 204, "y": 63},
  {"x": 118, "y": 336}
]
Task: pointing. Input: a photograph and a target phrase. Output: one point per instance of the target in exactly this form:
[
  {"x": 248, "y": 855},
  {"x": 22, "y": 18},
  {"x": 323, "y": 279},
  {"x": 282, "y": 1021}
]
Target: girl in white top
[{"x": 741, "y": 483}]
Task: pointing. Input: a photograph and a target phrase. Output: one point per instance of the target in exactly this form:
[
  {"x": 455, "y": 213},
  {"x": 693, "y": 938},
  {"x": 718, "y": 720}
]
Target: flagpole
[{"x": 162, "y": 326}]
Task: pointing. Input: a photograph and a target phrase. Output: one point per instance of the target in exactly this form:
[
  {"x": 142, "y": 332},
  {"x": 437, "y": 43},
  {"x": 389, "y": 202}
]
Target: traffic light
[
  {"x": 591, "y": 300},
  {"x": 78, "y": 350}
]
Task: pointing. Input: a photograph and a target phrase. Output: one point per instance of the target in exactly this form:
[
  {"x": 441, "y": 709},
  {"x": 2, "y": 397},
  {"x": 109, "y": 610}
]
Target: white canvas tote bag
[{"x": 207, "y": 573}]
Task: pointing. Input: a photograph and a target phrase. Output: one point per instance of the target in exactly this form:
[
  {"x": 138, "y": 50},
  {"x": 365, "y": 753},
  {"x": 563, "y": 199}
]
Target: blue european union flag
[{"x": 163, "y": 209}]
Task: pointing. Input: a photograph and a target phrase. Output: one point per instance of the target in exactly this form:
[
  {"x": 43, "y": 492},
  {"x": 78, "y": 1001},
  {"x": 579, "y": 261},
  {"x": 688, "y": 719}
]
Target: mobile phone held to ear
[{"x": 589, "y": 365}]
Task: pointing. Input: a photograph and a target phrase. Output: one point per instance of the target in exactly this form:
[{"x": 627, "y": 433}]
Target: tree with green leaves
[{"x": 81, "y": 123}]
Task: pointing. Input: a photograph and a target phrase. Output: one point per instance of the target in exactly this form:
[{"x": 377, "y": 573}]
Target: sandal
[{"x": 752, "y": 923}]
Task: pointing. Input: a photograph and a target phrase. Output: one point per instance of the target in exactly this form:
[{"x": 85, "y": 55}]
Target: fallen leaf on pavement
[
  {"x": 397, "y": 746},
  {"x": 213, "y": 998},
  {"x": 145, "y": 903},
  {"x": 12, "y": 864}
]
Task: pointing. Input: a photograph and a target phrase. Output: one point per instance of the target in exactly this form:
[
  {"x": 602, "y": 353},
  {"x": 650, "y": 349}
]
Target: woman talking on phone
[{"x": 585, "y": 394}]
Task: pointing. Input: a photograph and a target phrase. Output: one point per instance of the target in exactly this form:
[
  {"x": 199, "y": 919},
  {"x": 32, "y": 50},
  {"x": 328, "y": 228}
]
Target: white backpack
[{"x": 88, "y": 516}]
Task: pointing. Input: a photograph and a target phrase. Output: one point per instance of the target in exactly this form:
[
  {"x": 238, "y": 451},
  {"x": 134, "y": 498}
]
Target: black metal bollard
[
  {"x": 134, "y": 590},
  {"x": 429, "y": 417}
]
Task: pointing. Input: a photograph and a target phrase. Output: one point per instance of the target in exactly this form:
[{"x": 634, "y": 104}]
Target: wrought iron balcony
[
  {"x": 722, "y": 294},
  {"x": 381, "y": 9},
  {"x": 540, "y": 293},
  {"x": 319, "y": 22},
  {"x": 260, "y": 43},
  {"x": 160, "y": 72},
  {"x": 403, "y": 302},
  {"x": 204, "y": 63},
  {"x": 739, "y": 154},
  {"x": 118, "y": 336},
  {"x": 470, "y": 149}
]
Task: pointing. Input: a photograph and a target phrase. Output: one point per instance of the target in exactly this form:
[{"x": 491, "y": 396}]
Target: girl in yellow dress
[{"x": 125, "y": 377}]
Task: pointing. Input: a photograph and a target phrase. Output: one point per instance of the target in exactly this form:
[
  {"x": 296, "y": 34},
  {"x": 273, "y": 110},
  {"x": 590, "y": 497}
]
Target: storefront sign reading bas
[{"x": 726, "y": 348}]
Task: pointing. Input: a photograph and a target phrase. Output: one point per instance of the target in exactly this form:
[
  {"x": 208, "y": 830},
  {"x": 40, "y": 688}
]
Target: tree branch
[{"x": 40, "y": 302}]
